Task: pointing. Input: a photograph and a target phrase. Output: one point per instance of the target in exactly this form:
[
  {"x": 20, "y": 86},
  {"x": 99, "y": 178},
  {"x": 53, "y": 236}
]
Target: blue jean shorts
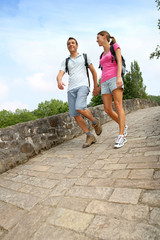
[
  {"x": 77, "y": 100},
  {"x": 108, "y": 86}
]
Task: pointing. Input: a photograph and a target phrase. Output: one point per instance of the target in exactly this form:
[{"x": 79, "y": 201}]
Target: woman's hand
[
  {"x": 96, "y": 90},
  {"x": 119, "y": 82}
]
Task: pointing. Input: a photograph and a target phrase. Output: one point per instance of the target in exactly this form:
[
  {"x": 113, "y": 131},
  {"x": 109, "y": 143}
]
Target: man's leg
[
  {"x": 81, "y": 107},
  {"x": 87, "y": 114},
  {"x": 81, "y": 123},
  {"x": 90, "y": 138}
]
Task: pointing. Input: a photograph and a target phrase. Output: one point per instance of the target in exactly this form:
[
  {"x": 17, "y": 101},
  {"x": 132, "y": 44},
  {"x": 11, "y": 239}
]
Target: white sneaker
[
  {"x": 121, "y": 140},
  {"x": 125, "y": 130}
]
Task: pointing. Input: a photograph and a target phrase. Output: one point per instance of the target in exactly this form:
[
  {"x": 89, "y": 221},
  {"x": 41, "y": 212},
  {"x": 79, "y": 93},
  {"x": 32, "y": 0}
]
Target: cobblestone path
[{"x": 98, "y": 193}]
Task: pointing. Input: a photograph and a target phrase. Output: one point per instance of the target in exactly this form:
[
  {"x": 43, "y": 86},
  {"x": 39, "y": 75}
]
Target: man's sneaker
[
  {"x": 97, "y": 127},
  {"x": 121, "y": 140},
  {"x": 125, "y": 130},
  {"x": 89, "y": 140}
]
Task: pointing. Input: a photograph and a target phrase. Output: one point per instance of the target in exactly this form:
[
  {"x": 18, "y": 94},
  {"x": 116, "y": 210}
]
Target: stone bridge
[{"x": 98, "y": 193}]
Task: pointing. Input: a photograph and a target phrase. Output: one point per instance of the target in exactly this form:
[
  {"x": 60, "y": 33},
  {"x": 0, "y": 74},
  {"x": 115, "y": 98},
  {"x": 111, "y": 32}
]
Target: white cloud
[
  {"x": 3, "y": 91},
  {"x": 12, "y": 106},
  {"x": 36, "y": 55},
  {"x": 33, "y": 43},
  {"x": 40, "y": 82}
]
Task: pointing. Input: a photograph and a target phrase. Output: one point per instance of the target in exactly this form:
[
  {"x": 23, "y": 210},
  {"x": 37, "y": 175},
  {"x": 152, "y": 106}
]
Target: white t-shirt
[{"x": 77, "y": 71}]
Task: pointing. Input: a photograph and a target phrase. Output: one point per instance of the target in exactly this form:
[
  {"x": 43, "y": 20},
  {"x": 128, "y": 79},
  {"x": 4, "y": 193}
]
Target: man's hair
[{"x": 71, "y": 38}]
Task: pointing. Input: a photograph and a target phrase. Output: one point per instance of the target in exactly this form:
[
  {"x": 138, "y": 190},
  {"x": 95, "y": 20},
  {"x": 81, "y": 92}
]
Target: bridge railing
[{"x": 22, "y": 141}]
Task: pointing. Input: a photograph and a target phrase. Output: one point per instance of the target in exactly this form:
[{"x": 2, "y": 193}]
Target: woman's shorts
[
  {"x": 108, "y": 86},
  {"x": 77, "y": 100}
]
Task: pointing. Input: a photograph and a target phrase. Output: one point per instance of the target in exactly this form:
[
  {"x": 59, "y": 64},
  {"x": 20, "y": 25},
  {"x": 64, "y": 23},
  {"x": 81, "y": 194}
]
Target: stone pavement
[{"x": 98, "y": 193}]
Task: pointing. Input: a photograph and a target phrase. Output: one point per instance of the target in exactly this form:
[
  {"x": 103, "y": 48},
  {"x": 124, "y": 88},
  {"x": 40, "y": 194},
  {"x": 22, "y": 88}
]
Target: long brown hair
[{"x": 108, "y": 36}]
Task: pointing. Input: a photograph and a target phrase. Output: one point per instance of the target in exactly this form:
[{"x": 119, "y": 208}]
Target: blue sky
[{"x": 33, "y": 35}]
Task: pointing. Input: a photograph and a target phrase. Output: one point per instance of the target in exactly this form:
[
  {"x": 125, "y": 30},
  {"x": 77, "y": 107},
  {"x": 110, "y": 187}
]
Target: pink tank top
[{"x": 109, "y": 68}]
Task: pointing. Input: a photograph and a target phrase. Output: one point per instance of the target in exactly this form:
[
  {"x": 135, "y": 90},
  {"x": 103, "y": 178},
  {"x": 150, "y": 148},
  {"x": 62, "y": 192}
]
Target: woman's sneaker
[
  {"x": 125, "y": 130},
  {"x": 121, "y": 140}
]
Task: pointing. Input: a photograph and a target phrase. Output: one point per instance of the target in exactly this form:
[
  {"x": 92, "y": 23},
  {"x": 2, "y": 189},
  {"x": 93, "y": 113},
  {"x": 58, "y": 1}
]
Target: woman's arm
[{"x": 119, "y": 68}]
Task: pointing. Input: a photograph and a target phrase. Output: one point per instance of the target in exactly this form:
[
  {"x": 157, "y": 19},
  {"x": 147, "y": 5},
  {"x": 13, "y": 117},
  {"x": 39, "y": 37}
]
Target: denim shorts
[
  {"x": 108, "y": 86},
  {"x": 77, "y": 100}
]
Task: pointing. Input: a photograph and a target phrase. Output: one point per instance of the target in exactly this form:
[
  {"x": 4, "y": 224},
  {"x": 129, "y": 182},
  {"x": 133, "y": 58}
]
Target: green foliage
[
  {"x": 133, "y": 83},
  {"x": 96, "y": 100},
  {"x": 154, "y": 98},
  {"x": 156, "y": 53},
  {"x": 49, "y": 108},
  {"x": 8, "y": 118}
]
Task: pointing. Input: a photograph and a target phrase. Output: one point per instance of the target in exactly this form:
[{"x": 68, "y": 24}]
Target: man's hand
[
  {"x": 61, "y": 85},
  {"x": 59, "y": 80},
  {"x": 96, "y": 91}
]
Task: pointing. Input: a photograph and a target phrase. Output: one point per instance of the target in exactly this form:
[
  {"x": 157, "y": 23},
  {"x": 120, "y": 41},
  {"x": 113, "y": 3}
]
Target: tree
[
  {"x": 49, "y": 108},
  {"x": 133, "y": 83},
  {"x": 8, "y": 118},
  {"x": 154, "y": 98},
  {"x": 157, "y": 50}
]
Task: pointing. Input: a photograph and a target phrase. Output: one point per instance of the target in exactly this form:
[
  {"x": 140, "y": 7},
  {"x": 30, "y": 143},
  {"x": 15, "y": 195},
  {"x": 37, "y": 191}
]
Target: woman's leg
[
  {"x": 118, "y": 98},
  {"x": 107, "y": 100}
]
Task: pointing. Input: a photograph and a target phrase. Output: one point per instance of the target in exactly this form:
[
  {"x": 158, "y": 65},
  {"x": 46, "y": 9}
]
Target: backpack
[
  {"x": 85, "y": 63},
  {"x": 114, "y": 55}
]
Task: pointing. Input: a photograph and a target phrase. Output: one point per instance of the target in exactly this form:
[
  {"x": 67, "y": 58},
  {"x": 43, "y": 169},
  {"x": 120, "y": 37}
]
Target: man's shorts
[
  {"x": 108, "y": 86},
  {"x": 77, "y": 100}
]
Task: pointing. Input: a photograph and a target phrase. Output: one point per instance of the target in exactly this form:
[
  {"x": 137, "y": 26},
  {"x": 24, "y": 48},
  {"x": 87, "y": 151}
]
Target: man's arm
[
  {"x": 94, "y": 75},
  {"x": 59, "y": 80}
]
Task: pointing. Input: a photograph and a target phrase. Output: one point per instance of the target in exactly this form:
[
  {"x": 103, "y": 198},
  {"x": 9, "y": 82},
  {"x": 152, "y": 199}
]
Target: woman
[{"x": 112, "y": 83}]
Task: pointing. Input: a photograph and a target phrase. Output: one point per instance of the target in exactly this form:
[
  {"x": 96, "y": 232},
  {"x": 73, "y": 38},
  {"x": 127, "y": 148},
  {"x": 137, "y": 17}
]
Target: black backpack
[
  {"x": 114, "y": 55},
  {"x": 85, "y": 63}
]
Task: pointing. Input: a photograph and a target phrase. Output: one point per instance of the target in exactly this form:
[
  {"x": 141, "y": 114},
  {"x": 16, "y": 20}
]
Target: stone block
[
  {"x": 138, "y": 183},
  {"x": 29, "y": 224},
  {"x": 90, "y": 192},
  {"x": 69, "y": 219},
  {"x": 10, "y": 216},
  {"x": 151, "y": 198},
  {"x": 27, "y": 148},
  {"x": 118, "y": 229},
  {"x": 135, "y": 212},
  {"x": 141, "y": 174},
  {"x": 104, "y": 208},
  {"x": 77, "y": 204},
  {"x": 125, "y": 195},
  {"x": 155, "y": 216},
  {"x": 50, "y": 232},
  {"x": 22, "y": 200}
]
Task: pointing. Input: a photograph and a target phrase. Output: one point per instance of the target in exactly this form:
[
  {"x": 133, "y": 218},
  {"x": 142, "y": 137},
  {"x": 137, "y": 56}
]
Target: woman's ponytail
[{"x": 113, "y": 40}]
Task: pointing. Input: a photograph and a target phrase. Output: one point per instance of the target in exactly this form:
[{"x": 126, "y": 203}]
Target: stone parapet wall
[{"x": 22, "y": 141}]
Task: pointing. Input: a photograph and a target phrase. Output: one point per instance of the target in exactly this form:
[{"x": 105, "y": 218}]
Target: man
[{"x": 78, "y": 90}]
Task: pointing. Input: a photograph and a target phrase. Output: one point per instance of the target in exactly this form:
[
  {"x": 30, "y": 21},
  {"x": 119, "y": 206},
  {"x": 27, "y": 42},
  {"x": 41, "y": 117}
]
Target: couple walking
[{"x": 111, "y": 86}]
